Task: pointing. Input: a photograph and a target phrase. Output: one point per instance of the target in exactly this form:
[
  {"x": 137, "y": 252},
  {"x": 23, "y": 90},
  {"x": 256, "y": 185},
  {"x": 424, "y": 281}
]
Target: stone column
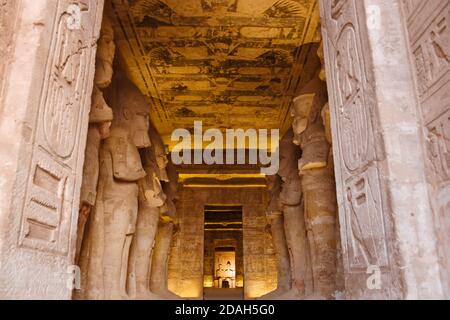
[
  {"x": 47, "y": 75},
  {"x": 385, "y": 214}
]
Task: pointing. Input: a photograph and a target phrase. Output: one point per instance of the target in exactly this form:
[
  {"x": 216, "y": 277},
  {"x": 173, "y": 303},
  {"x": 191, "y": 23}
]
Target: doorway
[{"x": 223, "y": 252}]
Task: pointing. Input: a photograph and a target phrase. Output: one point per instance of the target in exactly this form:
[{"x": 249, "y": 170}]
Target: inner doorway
[{"x": 223, "y": 252}]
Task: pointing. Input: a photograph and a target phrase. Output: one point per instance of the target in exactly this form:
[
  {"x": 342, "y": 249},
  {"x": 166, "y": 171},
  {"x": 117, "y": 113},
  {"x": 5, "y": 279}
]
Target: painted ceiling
[{"x": 230, "y": 63}]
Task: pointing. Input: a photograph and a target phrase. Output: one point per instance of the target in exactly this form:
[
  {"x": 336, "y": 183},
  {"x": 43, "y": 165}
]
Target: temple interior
[
  {"x": 231, "y": 64},
  {"x": 225, "y": 149}
]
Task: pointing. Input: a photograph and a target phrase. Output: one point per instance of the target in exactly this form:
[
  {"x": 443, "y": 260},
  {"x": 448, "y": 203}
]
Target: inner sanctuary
[{"x": 225, "y": 149}]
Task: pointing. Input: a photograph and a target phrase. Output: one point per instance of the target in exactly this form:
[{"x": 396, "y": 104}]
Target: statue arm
[{"x": 126, "y": 162}]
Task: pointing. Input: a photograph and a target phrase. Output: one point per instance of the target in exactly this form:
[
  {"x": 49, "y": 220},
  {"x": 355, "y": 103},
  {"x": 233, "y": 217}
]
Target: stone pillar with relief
[
  {"x": 47, "y": 69},
  {"x": 387, "y": 223}
]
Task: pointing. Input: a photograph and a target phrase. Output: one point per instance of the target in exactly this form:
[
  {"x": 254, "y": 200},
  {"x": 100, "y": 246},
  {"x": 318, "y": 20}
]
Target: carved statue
[
  {"x": 276, "y": 220},
  {"x": 151, "y": 198},
  {"x": 158, "y": 281},
  {"x": 166, "y": 230},
  {"x": 105, "y": 55},
  {"x": 316, "y": 170},
  {"x": 100, "y": 119},
  {"x": 114, "y": 224},
  {"x": 294, "y": 220}
]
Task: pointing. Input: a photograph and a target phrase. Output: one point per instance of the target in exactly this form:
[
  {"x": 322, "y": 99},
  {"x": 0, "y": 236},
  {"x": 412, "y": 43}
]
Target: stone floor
[{"x": 223, "y": 294}]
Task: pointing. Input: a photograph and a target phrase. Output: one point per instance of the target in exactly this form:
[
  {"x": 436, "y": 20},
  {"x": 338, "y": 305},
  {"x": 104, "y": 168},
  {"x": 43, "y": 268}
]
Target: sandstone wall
[
  {"x": 384, "y": 207},
  {"x": 428, "y": 24},
  {"x": 47, "y": 72},
  {"x": 187, "y": 254}
]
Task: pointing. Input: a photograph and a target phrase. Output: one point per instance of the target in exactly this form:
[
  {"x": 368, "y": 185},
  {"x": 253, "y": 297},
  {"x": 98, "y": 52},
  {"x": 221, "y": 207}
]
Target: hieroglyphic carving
[
  {"x": 429, "y": 32},
  {"x": 439, "y": 146},
  {"x": 432, "y": 54},
  {"x": 65, "y": 98},
  {"x": 352, "y": 108},
  {"x": 368, "y": 246}
]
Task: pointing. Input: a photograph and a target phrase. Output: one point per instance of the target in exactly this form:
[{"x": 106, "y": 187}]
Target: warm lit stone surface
[
  {"x": 360, "y": 205},
  {"x": 217, "y": 60},
  {"x": 186, "y": 262},
  {"x": 47, "y": 73}
]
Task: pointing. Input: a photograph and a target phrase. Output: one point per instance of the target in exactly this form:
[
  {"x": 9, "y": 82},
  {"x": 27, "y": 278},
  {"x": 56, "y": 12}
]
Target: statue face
[
  {"x": 300, "y": 111},
  {"x": 105, "y": 56},
  {"x": 139, "y": 129},
  {"x": 298, "y": 127}
]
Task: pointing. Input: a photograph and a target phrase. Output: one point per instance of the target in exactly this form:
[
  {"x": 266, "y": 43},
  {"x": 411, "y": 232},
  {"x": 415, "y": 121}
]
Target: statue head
[
  {"x": 105, "y": 54},
  {"x": 131, "y": 110},
  {"x": 312, "y": 95},
  {"x": 100, "y": 114}
]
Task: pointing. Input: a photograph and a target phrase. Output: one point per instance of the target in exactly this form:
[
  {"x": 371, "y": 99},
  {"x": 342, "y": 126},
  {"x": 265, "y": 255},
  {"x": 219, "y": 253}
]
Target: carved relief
[
  {"x": 428, "y": 25},
  {"x": 46, "y": 222},
  {"x": 353, "y": 119},
  {"x": 64, "y": 96},
  {"x": 351, "y": 104},
  {"x": 439, "y": 146},
  {"x": 432, "y": 54},
  {"x": 365, "y": 227}
]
